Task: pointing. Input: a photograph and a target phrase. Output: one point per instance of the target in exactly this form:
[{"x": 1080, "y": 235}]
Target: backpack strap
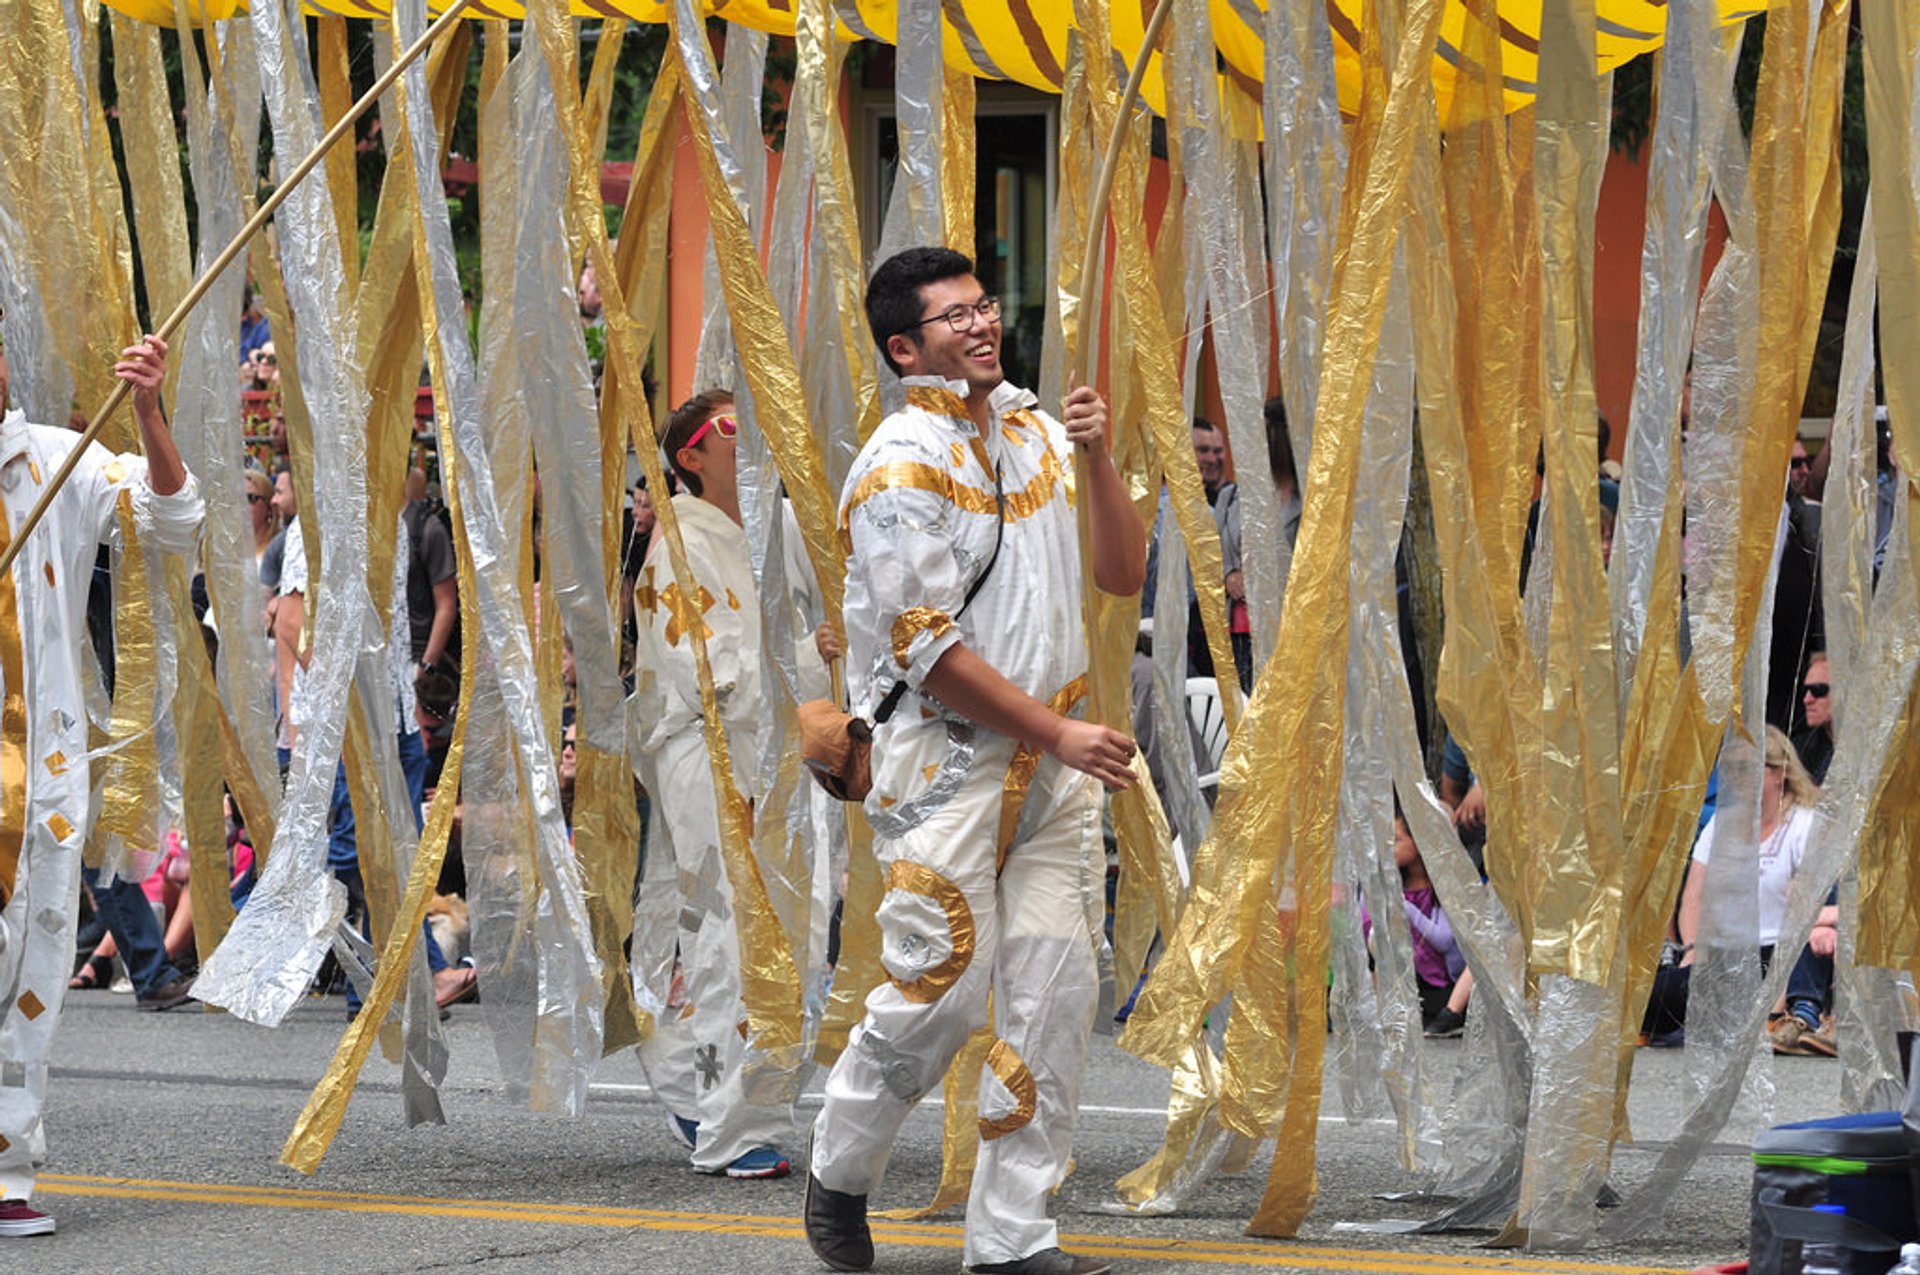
[{"x": 895, "y": 695}]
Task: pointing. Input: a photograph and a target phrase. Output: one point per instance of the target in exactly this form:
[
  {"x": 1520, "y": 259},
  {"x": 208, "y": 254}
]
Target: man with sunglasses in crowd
[
  {"x": 44, "y": 805},
  {"x": 696, "y": 1059},
  {"x": 963, "y": 614}
]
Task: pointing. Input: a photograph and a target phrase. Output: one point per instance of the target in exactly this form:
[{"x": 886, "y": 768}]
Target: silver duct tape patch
[
  {"x": 904, "y": 818},
  {"x": 898, "y": 1072}
]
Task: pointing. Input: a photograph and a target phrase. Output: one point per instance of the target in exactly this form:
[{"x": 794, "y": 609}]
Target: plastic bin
[{"x": 1859, "y": 1162}]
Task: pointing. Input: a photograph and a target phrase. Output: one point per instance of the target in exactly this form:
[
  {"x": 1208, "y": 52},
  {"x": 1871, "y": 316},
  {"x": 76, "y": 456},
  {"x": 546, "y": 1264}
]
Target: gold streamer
[
  {"x": 320, "y": 1119},
  {"x": 59, "y": 166},
  {"x": 13, "y": 726},
  {"x": 957, "y": 164},
  {"x": 817, "y": 89},
  {"x": 1889, "y": 886},
  {"x": 159, "y": 200},
  {"x": 196, "y": 713},
  {"x": 1260, "y": 825},
  {"x": 770, "y": 985},
  {"x": 130, "y": 776},
  {"x": 343, "y": 178}
]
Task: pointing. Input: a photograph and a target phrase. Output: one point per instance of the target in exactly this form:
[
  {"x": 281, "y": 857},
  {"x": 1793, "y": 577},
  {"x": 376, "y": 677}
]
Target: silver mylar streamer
[
  {"x": 1859, "y": 756},
  {"x": 1232, "y": 264},
  {"x": 1679, "y": 187},
  {"x": 1187, "y": 808},
  {"x": 496, "y": 835},
  {"x": 38, "y": 382},
  {"x": 556, "y": 399},
  {"x": 915, "y": 214},
  {"x": 207, "y": 428},
  {"x": 1377, "y": 1039},
  {"x": 1306, "y": 158},
  {"x": 569, "y": 1027},
  {"x": 1871, "y": 1004},
  {"x": 278, "y": 940},
  {"x": 738, "y": 122}
]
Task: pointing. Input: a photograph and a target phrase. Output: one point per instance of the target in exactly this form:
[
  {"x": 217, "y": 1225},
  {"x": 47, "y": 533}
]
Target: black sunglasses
[{"x": 1819, "y": 690}]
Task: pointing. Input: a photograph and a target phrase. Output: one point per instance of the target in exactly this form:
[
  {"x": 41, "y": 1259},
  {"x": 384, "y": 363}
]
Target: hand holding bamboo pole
[{"x": 227, "y": 255}]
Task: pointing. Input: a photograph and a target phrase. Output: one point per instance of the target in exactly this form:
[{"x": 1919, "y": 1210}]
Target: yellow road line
[{"x": 924, "y": 1235}]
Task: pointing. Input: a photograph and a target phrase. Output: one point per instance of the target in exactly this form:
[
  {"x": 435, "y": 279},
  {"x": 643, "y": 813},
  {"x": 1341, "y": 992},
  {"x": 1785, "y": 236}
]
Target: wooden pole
[
  {"x": 1082, "y": 364},
  {"x": 225, "y": 259}
]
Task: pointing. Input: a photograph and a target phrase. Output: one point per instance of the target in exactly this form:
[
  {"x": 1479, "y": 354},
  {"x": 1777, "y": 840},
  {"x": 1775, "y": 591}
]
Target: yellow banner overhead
[{"x": 1025, "y": 41}]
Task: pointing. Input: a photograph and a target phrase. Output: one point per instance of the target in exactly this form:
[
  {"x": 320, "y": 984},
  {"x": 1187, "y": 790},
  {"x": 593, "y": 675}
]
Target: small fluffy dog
[{"x": 447, "y": 918}]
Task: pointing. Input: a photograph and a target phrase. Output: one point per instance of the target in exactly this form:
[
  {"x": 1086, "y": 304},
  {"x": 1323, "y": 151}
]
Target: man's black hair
[{"x": 893, "y": 294}]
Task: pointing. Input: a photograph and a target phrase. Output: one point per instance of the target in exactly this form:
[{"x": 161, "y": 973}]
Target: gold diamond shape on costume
[
  {"x": 50, "y": 576},
  {"x": 31, "y": 1005},
  {"x": 56, "y": 763},
  {"x": 35, "y": 471},
  {"x": 59, "y": 826},
  {"x": 684, "y": 615}
]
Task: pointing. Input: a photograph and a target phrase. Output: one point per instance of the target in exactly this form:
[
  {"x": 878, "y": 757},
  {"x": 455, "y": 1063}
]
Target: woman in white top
[{"x": 1787, "y": 797}]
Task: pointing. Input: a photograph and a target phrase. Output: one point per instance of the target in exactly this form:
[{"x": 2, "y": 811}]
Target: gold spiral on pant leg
[
  {"x": 917, "y": 878},
  {"x": 1011, "y": 1070}
]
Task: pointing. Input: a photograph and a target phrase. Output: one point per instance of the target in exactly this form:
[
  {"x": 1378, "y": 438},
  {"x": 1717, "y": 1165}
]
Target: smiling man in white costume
[
  {"x": 44, "y": 775},
  {"x": 963, "y": 587}
]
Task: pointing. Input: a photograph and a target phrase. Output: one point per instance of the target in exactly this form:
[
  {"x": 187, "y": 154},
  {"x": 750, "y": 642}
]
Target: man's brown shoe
[
  {"x": 837, "y": 1227},
  {"x": 1048, "y": 1261}
]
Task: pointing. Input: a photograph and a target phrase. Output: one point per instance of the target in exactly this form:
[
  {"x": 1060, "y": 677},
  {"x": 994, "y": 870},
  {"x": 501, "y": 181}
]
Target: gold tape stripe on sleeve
[
  {"x": 916, "y": 878},
  {"x": 918, "y": 476},
  {"x": 1020, "y": 772},
  {"x": 1011, "y": 1070},
  {"x": 911, "y": 623},
  {"x": 13, "y": 726}
]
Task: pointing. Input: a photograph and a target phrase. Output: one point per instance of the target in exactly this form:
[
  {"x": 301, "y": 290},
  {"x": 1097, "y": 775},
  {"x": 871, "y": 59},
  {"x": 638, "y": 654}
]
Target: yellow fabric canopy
[{"x": 1025, "y": 41}]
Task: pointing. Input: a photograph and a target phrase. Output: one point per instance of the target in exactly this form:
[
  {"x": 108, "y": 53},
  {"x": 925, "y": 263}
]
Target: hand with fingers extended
[{"x": 1089, "y": 747}]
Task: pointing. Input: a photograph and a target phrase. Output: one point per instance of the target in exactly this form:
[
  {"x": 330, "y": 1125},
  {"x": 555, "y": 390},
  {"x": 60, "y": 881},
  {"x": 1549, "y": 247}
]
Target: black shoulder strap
[{"x": 894, "y": 696}]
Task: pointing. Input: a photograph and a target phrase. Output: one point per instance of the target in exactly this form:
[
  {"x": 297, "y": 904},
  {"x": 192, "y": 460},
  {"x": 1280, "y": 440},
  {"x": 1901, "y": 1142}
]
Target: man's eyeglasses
[
  {"x": 725, "y": 426},
  {"x": 959, "y": 315},
  {"x": 1819, "y": 690}
]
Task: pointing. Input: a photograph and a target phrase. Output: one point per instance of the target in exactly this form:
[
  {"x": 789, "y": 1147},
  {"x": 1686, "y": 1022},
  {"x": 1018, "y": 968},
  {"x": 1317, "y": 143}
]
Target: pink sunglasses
[{"x": 726, "y": 425}]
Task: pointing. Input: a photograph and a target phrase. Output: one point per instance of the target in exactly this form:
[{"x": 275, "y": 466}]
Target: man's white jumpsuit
[
  {"x": 991, "y": 852},
  {"x": 693, "y": 1059},
  {"x": 44, "y": 774}
]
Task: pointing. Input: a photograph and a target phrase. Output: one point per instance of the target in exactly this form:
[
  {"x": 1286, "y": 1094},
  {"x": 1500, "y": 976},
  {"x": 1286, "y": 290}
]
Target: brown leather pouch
[{"x": 838, "y": 749}]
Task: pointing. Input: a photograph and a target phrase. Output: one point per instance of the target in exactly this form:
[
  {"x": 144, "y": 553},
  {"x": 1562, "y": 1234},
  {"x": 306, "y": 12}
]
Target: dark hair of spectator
[
  {"x": 687, "y": 418},
  {"x": 1280, "y": 444},
  {"x": 893, "y": 294}
]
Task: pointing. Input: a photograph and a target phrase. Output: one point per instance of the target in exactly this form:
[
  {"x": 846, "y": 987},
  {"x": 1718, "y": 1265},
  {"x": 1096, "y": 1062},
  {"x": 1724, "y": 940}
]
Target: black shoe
[
  {"x": 837, "y": 1227},
  {"x": 1447, "y": 1025},
  {"x": 168, "y": 995},
  {"x": 1048, "y": 1261}
]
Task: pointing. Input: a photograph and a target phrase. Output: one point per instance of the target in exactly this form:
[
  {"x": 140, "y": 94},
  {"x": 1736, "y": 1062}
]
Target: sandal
[{"x": 92, "y": 976}]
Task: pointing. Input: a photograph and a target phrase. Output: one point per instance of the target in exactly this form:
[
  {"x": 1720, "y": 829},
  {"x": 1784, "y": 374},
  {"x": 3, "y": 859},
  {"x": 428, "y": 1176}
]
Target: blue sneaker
[
  {"x": 761, "y": 1162},
  {"x": 685, "y": 1132}
]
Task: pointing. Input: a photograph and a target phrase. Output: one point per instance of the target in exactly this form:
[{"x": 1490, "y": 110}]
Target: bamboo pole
[
  {"x": 1082, "y": 363},
  {"x": 199, "y": 290}
]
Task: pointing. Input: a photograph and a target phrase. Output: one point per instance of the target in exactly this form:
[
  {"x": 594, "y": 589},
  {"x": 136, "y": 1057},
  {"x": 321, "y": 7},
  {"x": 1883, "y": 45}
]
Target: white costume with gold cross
[
  {"x": 991, "y": 853},
  {"x": 44, "y": 771},
  {"x": 693, "y": 1059}
]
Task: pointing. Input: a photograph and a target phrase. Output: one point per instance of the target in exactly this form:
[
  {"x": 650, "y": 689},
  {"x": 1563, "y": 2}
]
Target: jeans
[{"x": 136, "y": 933}]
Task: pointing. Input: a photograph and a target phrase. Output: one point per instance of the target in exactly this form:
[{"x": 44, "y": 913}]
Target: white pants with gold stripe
[
  {"x": 953, "y": 928},
  {"x": 36, "y": 956},
  {"x": 703, "y": 1056}
]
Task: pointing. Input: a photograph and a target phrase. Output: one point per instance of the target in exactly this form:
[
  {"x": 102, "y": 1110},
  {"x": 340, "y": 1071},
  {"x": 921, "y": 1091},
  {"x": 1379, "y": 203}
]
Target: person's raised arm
[
  {"x": 971, "y": 686},
  {"x": 1119, "y": 541},
  {"x": 144, "y": 367}
]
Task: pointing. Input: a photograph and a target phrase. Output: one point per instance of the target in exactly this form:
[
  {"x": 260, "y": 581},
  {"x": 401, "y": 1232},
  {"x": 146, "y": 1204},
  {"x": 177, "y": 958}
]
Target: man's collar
[{"x": 14, "y": 435}]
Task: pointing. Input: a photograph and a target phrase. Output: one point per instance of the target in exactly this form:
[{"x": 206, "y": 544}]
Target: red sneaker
[{"x": 17, "y": 1217}]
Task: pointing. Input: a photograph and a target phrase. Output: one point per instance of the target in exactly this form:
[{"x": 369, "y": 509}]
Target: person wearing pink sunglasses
[{"x": 710, "y": 1079}]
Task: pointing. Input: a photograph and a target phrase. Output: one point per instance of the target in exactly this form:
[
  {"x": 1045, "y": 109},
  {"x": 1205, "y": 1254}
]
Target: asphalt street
[{"x": 165, "y": 1133}]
